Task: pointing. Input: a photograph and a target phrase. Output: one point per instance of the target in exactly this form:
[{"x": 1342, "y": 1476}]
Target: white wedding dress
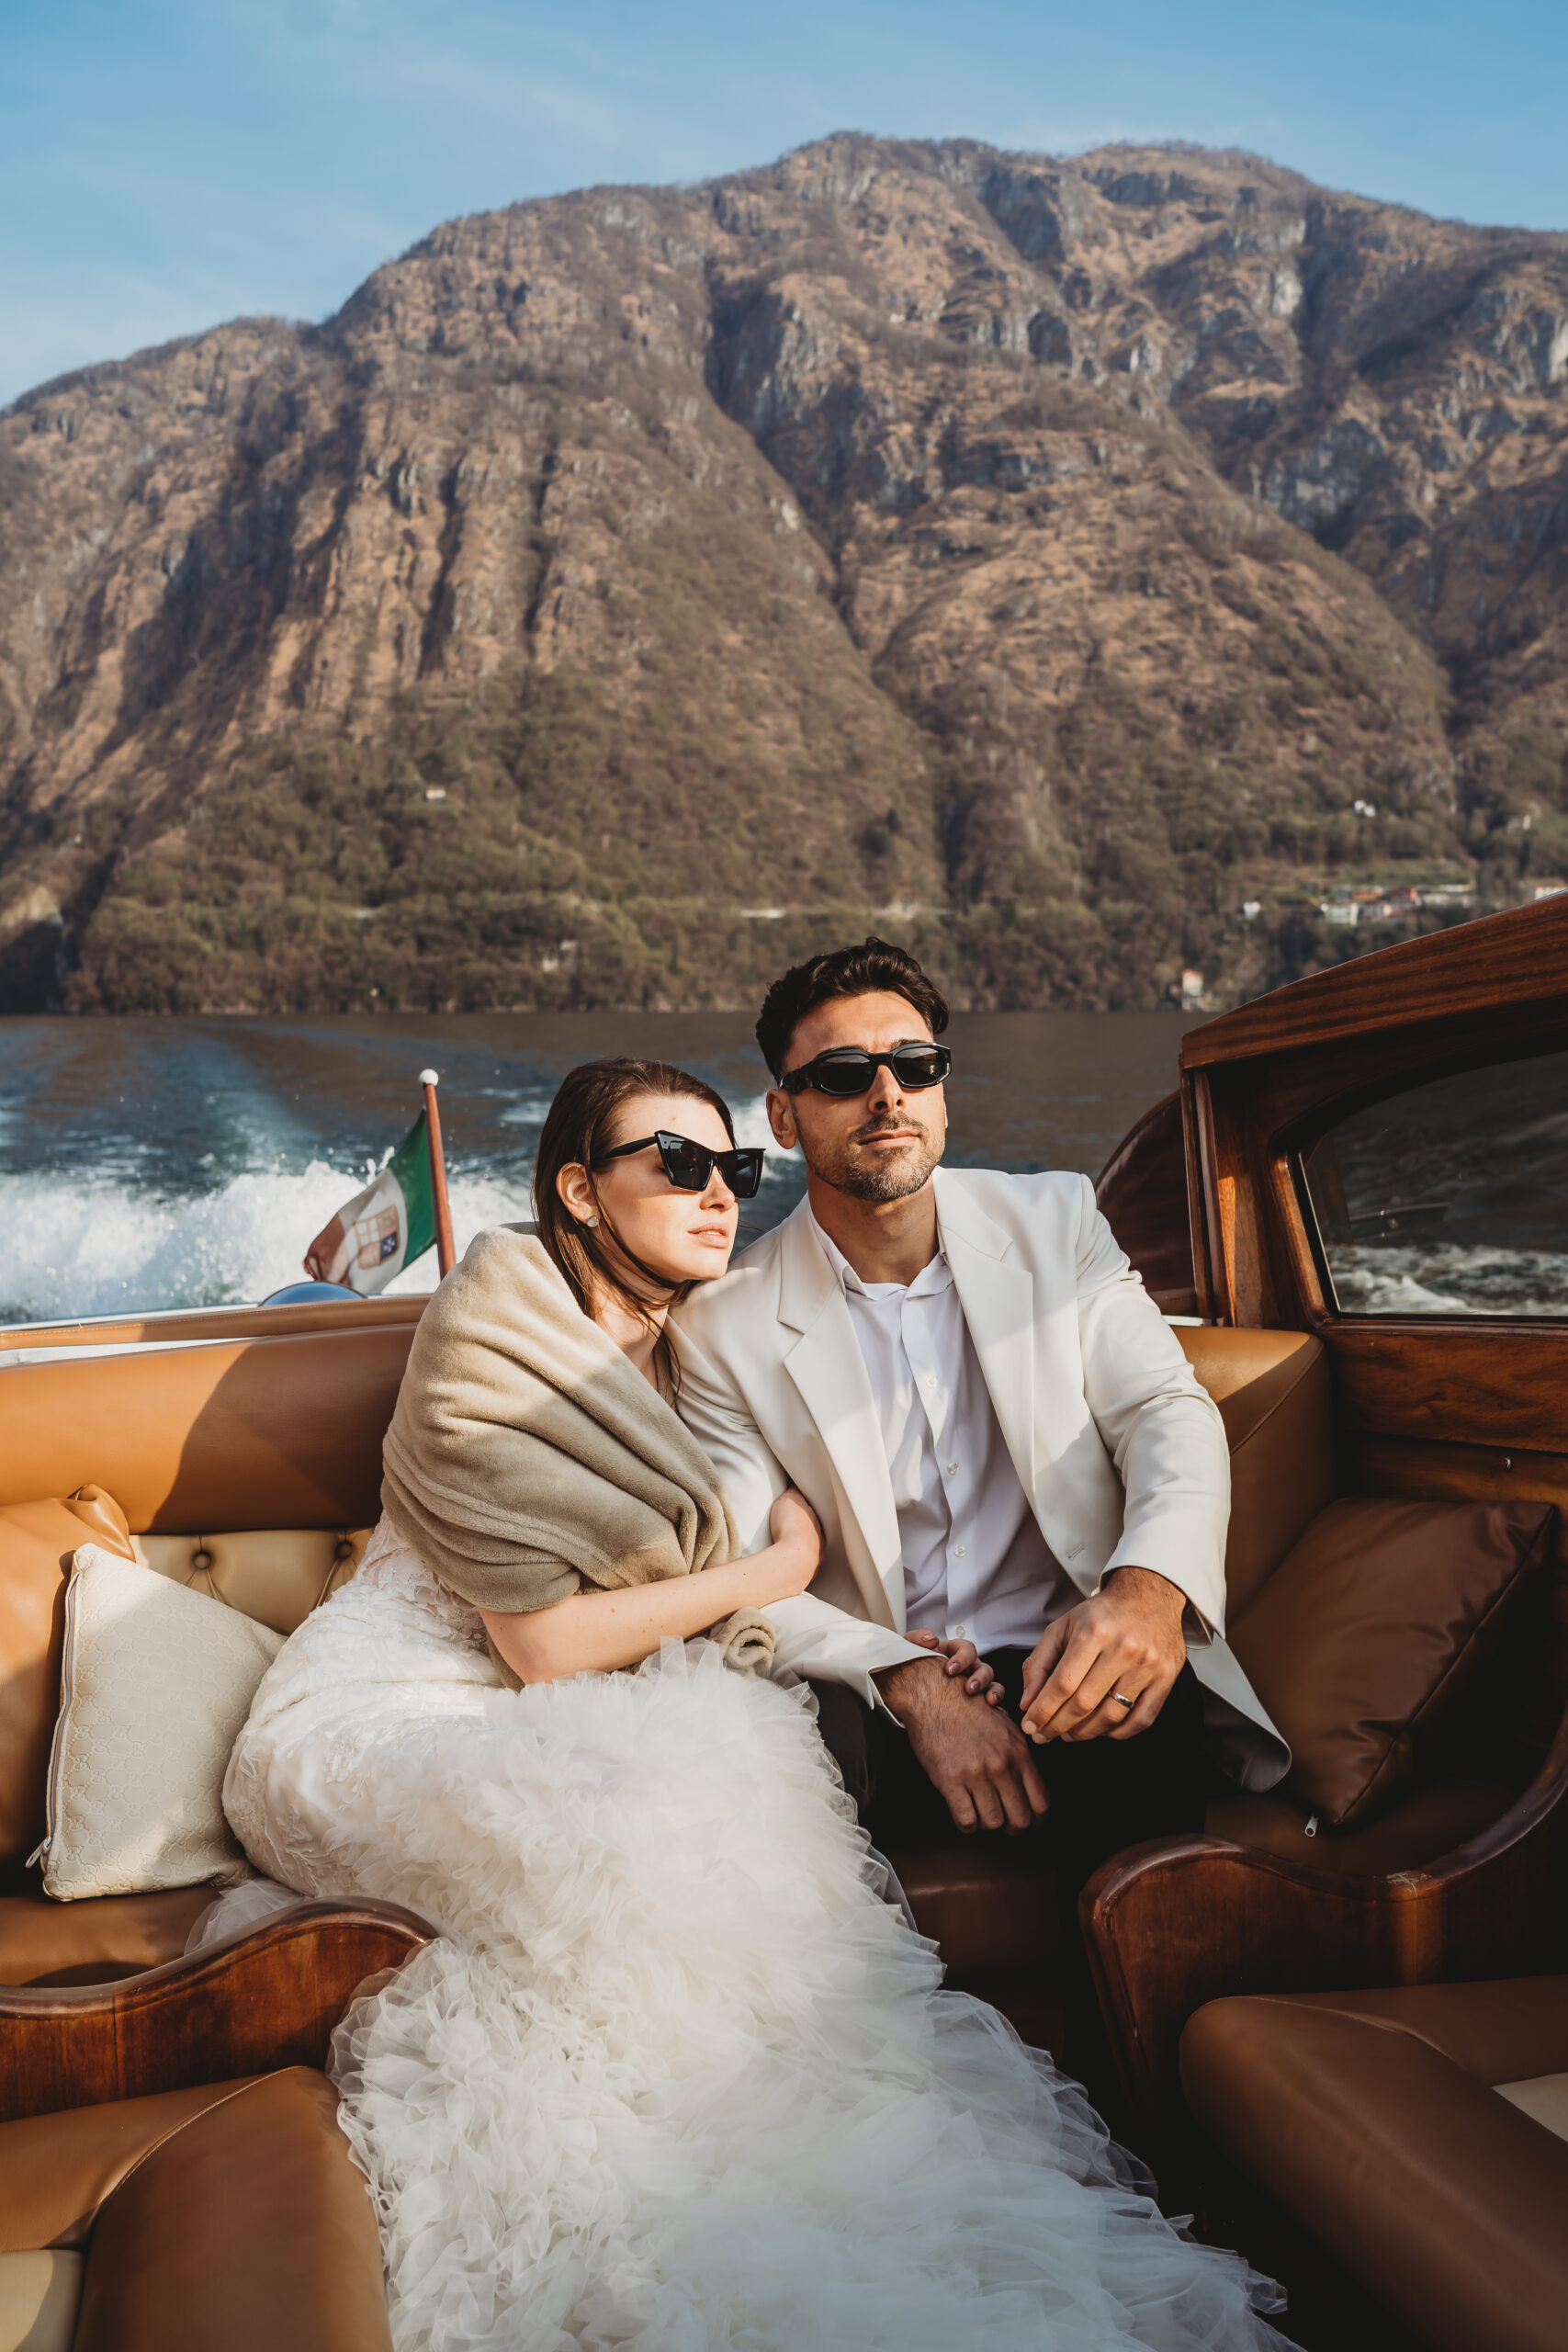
[{"x": 676, "y": 2075}]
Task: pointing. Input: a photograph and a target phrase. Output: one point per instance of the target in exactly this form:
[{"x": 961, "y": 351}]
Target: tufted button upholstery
[{"x": 275, "y": 1575}]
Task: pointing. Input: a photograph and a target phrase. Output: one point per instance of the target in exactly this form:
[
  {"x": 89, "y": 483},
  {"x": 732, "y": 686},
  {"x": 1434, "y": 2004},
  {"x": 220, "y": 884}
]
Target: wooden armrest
[
  {"x": 265, "y": 1998},
  {"x": 1171, "y": 1926}
]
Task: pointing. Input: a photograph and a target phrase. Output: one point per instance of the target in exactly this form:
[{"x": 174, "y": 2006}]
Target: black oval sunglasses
[
  {"x": 846, "y": 1070},
  {"x": 690, "y": 1165}
]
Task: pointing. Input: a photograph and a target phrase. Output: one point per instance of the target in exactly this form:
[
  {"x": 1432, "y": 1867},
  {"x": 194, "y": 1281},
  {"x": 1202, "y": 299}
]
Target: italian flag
[{"x": 383, "y": 1228}]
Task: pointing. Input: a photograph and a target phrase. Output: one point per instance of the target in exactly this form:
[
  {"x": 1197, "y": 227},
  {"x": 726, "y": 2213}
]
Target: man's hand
[
  {"x": 1127, "y": 1640},
  {"x": 975, "y": 1756}
]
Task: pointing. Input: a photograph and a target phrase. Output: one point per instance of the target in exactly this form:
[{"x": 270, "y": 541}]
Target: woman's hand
[
  {"x": 797, "y": 1540},
  {"x": 962, "y": 1657},
  {"x": 594, "y": 1632}
]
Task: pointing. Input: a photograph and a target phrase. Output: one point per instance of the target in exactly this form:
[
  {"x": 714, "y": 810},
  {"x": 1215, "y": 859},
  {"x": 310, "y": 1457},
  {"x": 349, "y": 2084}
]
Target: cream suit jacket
[{"x": 1120, "y": 1450}]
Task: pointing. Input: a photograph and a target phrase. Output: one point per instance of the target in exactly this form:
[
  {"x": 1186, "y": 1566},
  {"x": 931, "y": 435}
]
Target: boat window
[{"x": 1452, "y": 1198}]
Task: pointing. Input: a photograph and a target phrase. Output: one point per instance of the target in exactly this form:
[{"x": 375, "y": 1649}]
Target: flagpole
[{"x": 446, "y": 1248}]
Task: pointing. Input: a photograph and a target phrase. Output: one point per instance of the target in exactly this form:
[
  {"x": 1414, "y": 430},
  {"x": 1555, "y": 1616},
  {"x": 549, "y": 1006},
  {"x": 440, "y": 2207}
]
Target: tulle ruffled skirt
[{"x": 676, "y": 2075}]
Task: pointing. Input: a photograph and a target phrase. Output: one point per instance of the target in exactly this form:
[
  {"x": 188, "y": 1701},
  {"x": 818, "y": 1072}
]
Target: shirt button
[
  {"x": 959, "y": 1551},
  {"x": 930, "y": 1380},
  {"x": 961, "y": 1633},
  {"x": 953, "y": 1469}
]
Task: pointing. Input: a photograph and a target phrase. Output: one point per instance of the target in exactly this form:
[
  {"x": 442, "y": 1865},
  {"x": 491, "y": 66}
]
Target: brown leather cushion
[
  {"x": 990, "y": 1904},
  {"x": 1418, "y": 1826},
  {"x": 36, "y": 1541},
  {"x": 94, "y": 1941},
  {"x": 1272, "y": 1389},
  {"x": 56, "y": 2170},
  {"x": 1369, "y": 2117},
  {"x": 228, "y": 2214},
  {"x": 1498, "y": 2029},
  {"x": 1365, "y": 1637},
  {"x": 249, "y": 2227}
]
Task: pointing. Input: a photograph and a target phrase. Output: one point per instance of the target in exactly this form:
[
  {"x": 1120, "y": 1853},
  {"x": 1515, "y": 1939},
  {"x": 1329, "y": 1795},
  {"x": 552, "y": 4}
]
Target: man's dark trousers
[{"x": 1105, "y": 1795}]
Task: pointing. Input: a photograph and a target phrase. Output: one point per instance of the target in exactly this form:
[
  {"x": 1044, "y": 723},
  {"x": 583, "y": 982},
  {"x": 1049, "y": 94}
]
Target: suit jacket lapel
[
  {"x": 829, "y": 1370},
  {"x": 997, "y": 1293}
]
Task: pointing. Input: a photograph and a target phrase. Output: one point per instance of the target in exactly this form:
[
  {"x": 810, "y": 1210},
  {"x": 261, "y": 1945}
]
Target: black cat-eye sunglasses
[
  {"x": 690, "y": 1165},
  {"x": 846, "y": 1070}
]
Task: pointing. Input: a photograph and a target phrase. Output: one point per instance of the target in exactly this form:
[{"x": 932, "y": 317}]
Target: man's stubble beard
[{"x": 866, "y": 1181}]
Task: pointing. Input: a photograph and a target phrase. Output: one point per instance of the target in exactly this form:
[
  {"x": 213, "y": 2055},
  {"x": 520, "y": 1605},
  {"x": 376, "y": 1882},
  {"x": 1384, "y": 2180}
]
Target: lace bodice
[{"x": 391, "y": 1565}]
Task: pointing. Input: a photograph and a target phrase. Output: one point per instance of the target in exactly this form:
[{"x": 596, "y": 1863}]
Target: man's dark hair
[{"x": 874, "y": 968}]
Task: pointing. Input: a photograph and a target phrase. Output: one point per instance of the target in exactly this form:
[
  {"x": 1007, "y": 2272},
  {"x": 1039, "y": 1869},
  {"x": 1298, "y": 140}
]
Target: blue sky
[{"x": 165, "y": 163}]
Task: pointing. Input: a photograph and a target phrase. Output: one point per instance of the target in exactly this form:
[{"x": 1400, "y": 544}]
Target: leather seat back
[
  {"x": 237, "y": 1434},
  {"x": 1272, "y": 1389},
  {"x": 275, "y": 1575}
]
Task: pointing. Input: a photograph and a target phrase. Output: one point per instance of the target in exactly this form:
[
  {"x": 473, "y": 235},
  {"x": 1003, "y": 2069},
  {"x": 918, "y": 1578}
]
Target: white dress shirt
[{"x": 974, "y": 1560}]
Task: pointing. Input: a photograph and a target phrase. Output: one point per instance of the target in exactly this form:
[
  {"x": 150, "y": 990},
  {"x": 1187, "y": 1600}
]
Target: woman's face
[{"x": 684, "y": 1236}]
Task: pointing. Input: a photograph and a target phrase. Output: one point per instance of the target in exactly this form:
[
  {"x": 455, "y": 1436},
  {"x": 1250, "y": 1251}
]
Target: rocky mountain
[{"x": 1081, "y": 569}]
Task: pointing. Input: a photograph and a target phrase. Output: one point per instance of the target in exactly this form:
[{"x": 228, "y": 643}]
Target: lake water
[{"x": 189, "y": 1162}]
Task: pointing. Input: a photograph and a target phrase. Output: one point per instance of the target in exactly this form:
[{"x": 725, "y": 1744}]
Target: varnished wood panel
[
  {"x": 1170, "y": 1926},
  {"x": 1142, "y": 1193},
  {"x": 1442, "y": 1472},
  {"x": 1249, "y": 1120},
  {"x": 213, "y": 1323},
  {"x": 1202, "y": 1213},
  {"x": 1500, "y": 1384},
  {"x": 1288, "y": 1099},
  {"x": 269, "y": 1998},
  {"x": 1501, "y": 961}
]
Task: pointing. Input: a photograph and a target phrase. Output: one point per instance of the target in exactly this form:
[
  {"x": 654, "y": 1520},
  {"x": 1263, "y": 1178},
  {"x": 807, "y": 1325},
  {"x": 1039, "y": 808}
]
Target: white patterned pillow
[{"x": 156, "y": 1684}]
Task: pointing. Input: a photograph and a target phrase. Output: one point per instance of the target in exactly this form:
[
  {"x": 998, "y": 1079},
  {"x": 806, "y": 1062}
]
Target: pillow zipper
[{"x": 57, "y": 1743}]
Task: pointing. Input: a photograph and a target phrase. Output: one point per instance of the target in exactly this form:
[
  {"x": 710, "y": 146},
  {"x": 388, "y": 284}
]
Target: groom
[{"x": 1005, "y": 1445}]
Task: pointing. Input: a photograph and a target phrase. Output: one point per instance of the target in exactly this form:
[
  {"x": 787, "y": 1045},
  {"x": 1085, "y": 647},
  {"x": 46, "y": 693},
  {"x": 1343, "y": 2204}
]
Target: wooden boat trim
[
  {"x": 188, "y": 1325},
  {"x": 265, "y": 1998},
  {"x": 1515, "y": 958},
  {"x": 1172, "y": 1925}
]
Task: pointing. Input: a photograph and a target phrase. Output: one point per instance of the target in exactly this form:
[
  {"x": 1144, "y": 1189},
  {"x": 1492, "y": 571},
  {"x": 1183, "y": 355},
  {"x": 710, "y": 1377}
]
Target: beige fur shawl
[{"x": 528, "y": 1458}]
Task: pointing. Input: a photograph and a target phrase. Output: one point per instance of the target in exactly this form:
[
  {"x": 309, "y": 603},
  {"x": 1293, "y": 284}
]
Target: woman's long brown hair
[{"x": 580, "y": 1128}]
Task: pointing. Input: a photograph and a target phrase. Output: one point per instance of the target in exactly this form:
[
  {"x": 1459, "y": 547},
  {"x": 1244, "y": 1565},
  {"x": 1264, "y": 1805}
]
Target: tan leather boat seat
[
  {"x": 211, "y": 1438},
  {"x": 95, "y": 1941},
  {"x": 1273, "y": 1392},
  {"x": 1419, "y": 2136},
  {"x": 276, "y": 1575},
  {"x": 228, "y": 2214},
  {"x": 987, "y": 1901}
]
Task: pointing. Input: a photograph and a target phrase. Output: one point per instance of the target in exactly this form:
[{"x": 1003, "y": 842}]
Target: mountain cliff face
[{"x": 1079, "y": 570}]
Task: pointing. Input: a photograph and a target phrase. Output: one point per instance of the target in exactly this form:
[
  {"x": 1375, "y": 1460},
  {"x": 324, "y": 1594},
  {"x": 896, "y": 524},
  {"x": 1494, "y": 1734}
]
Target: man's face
[{"x": 880, "y": 1146}]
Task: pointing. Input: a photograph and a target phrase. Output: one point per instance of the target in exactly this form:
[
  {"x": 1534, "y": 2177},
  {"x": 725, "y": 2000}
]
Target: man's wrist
[
  {"x": 1149, "y": 1583},
  {"x": 895, "y": 1682}
]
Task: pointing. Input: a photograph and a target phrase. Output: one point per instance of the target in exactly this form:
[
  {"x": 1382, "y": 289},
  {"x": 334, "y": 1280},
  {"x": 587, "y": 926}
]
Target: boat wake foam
[{"x": 104, "y": 1245}]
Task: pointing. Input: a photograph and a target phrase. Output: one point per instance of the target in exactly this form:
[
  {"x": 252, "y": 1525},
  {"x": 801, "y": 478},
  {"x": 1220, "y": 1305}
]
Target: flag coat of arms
[{"x": 383, "y": 1228}]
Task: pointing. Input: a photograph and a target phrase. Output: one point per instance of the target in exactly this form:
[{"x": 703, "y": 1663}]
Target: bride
[{"x": 676, "y": 2073}]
